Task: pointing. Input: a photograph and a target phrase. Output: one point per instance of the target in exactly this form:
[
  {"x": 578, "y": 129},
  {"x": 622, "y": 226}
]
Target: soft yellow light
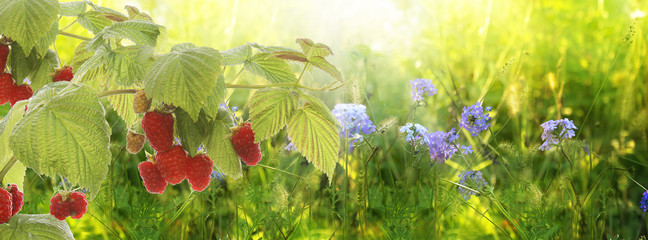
[{"x": 637, "y": 14}]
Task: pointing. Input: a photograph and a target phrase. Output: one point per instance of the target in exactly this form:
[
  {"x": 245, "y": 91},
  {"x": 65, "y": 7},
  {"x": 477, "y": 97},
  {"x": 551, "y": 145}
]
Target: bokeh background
[{"x": 532, "y": 61}]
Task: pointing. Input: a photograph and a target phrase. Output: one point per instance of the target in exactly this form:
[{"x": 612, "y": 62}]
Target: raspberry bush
[{"x": 175, "y": 100}]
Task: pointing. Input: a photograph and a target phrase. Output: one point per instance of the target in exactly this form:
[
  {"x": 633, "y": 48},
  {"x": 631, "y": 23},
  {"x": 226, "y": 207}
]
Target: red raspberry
[
  {"x": 16, "y": 199},
  {"x": 4, "y": 53},
  {"x": 5, "y": 206},
  {"x": 6, "y": 87},
  {"x": 199, "y": 169},
  {"x": 141, "y": 104},
  {"x": 59, "y": 208},
  {"x": 151, "y": 177},
  {"x": 78, "y": 205},
  {"x": 72, "y": 204},
  {"x": 158, "y": 128},
  {"x": 64, "y": 74},
  {"x": 243, "y": 141},
  {"x": 20, "y": 92},
  {"x": 172, "y": 164}
]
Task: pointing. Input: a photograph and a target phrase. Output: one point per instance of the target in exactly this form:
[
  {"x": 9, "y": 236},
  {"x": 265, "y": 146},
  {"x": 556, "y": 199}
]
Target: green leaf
[
  {"x": 45, "y": 42},
  {"x": 27, "y": 21},
  {"x": 21, "y": 64},
  {"x": 17, "y": 172},
  {"x": 270, "y": 110},
  {"x": 94, "y": 21},
  {"x": 108, "y": 12},
  {"x": 271, "y": 68},
  {"x": 312, "y": 49},
  {"x": 184, "y": 77},
  {"x": 271, "y": 49},
  {"x": 81, "y": 54},
  {"x": 72, "y": 9},
  {"x": 139, "y": 31},
  {"x": 43, "y": 70},
  {"x": 294, "y": 56},
  {"x": 313, "y": 131},
  {"x": 93, "y": 69},
  {"x": 35, "y": 226},
  {"x": 219, "y": 146},
  {"x": 216, "y": 98},
  {"x": 123, "y": 104},
  {"x": 237, "y": 55},
  {"x": 128, "y": 64},
  {"x": 64, "y": 132},
  {"x": 191, "y": 133},
  {"x": 134, "y": 13},
  {"x": 327, "y": 67}
]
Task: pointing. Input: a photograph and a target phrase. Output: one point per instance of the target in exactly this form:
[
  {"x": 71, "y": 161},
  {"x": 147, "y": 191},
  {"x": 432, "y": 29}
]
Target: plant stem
[
  {"x": 116, "y": 92},
  {"x": 568, "y": 159},
  {"x": 302, "y": 73},
  {"x": 72, "y": 35},
  {"x": 7, "y": 167}
]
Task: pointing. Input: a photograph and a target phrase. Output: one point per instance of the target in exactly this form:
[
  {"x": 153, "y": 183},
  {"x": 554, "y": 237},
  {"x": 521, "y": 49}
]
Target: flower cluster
[
  {"x": 414, "y": 132},
  {"x": 420, "y": 87},
  {"x": 472, "y": 179},
  {"x": 554, "y": 130},
  {"x": 475, "y": 118},
  {"x": 441, "y": 145},
  {"x": 354, "y": 121},
  {"x": 644, "y": 202}
]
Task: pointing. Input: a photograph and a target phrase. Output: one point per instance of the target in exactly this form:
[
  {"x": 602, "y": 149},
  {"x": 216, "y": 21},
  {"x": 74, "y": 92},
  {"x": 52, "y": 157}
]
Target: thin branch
[
  {"x": 7, "y": 167},
  {"x": 72, "y": 35},
  {"x": 116, "y": 92}
]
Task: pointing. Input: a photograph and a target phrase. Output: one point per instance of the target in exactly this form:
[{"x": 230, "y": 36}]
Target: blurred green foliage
[{"x": 532, "y": 61}]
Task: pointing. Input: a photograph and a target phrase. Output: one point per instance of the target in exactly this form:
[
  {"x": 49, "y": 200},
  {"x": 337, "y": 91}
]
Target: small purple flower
[
  {"x": 644, "y": 201},
  {"x": 472, "y": 179},
  {"x": 554, "y": 131},
  {"x": 354, "y": 121},
  {"x": 475, "y": 118},
  {"x": 586, "y": 149},
  {"x": 420, "y": 87},
  {"x": 218, "y": 176},
  {"x": 441, "y": 145},
  {"x": 290, "y": 146},
  {"x": 466, "y": 149},
  {"x": 414, "y": 132}
]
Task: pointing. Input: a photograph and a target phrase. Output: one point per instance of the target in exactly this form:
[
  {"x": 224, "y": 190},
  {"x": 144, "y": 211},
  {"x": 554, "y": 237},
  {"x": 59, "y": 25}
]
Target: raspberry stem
[
  {"x": 116, "y": 92},
  {"x": 72, "y": 35},
  {"x": 7, "y": 167}
]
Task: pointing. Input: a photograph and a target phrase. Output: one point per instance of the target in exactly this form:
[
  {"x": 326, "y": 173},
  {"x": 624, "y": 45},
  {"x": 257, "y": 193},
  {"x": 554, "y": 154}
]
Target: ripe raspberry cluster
[
  {"x": 243, "y": 141},
  {"x": 9, "y": 91},
  {"x": 64, "y": 204},
  {"x": 11, "y": 201},
  {"x": 171, "y": 163},
  {"x": 173, "y": 166},
  {"x": 12, "y": 93}
]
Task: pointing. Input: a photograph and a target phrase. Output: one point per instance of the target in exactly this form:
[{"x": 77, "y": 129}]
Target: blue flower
[
  {"x": 290, "y": 146},
  {"x": 475, "y": 118},
  {"x": 466, "y": 149},
  {"x": 554, "y": 131},
  {"x": 472, "y": 179},
  {"x": 218, "y": 176},
  {"x": 414, "y": 132},
  {"x": 354, "y": 121},
  {"x": 644, "y": 201},
  {"x": 420, "y": 87},
  {"x": 441, "y": 145}
]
